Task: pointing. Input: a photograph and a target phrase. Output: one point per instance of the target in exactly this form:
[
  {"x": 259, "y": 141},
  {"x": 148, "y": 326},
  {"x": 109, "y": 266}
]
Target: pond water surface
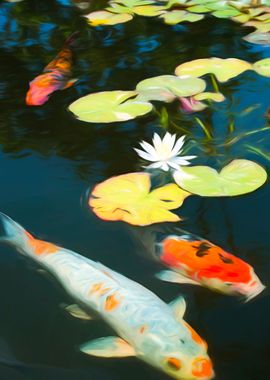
[{"x": 49, "y": 161}]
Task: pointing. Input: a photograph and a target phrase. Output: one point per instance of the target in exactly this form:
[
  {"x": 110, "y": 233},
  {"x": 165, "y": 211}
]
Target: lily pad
[
  {"x": 258, "y": 38},
  {"x": 215, "y": 96},
  {"x": 128, "y": 198},
  {"x": 262, "y": 67},
  {"x": 107, "y": 18},
  {"x": 109, "y": 107},
  {"x": 176, "y": 16},
  {"x": 149, "y": 10},
  {"x": 223, "y": 69},
  {"x": 163, "y": 85},
  {"x": 239, "y": 177}
]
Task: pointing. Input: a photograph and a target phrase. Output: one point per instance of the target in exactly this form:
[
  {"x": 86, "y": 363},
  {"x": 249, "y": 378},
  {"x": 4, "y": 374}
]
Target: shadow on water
[{"x": 49, "y": 159}]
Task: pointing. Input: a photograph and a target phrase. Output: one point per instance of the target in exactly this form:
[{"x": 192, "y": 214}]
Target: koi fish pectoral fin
[
  {"x": 70, "y": 83},
  {"x": 178, "y": 307},
  {"x": 109, "y": 347},
  {"x": 170, "y": 276},
  {"x": 77, "y": 312}
]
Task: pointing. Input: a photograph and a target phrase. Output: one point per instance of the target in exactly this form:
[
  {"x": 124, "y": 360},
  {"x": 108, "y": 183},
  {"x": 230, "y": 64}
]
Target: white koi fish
[{"x": 146, "y": 326}]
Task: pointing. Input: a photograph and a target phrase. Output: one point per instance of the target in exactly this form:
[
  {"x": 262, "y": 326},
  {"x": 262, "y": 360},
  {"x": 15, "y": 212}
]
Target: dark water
[{"x": 49, "y": 160}]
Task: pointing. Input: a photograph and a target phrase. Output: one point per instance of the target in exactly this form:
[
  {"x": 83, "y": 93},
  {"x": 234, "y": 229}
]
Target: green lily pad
[
  {"x": 149, "y": 10},
  {"x": 258, "y": 38},
  {"x": 199, "y": 9},
  {"x": 239, "y": 177},
  {"x": 223, "y": 69},
  {"x": 215, "y": 96},
  {"x": 162, "y": 86},
  {"x": 226, "y": 13},
  {"x": 175, "y": 17},
  {"x": 109, "y": 107},
  {"x": 107, "y": 18},
  {"x": 262, "y": 67}
]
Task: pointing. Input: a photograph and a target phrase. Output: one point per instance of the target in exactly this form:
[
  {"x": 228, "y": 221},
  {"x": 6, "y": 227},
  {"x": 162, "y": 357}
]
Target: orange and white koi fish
[
  {"x": 195, "y": 260},
  {"x": 56, "y": 76},
  {"x": 146, "y": 326}
]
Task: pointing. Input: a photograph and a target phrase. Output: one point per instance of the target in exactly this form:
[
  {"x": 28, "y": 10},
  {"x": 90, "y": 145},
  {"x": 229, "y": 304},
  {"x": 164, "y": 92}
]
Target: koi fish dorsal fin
[
  {"x": 178, "y": 307},
  {"x": 109, "y": 347}
]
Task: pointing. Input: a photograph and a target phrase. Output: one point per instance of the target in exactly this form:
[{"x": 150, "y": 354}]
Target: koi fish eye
[
  {"x": 228, "y": 283},
  {"x": 174, "y": 364}
]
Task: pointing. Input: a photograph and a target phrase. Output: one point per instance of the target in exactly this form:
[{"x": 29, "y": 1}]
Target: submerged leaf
[
  {"x": 128, "y": 198},
  {"x": 109, "y": 107},
  {"x": 223, "y": 69},
  {"x": 258, "y": 38},
  {"x": 238, "y": 177}
]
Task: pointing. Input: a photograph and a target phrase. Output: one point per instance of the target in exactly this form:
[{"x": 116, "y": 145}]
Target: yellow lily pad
[
  {"x": 149, "y": 10},
  {"x": 223, "y": 69},
  {"x": 128, "y": 198},
  {"x": 107, "y": 18},
  {"x": 262, "y": 67},
  {"x": 177, "y": 16}
]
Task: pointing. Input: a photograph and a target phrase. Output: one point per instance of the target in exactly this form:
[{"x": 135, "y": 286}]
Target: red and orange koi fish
[
  {"x": 56, "y": 76},
  {"x": 197, "y": 261}
]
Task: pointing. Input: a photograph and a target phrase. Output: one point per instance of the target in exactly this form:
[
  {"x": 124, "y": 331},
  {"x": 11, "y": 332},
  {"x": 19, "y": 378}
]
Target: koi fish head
[
  {"x": 210, "y": 266},
  {"x": 182, "y": 356},
  {"x": 42, "y": 87}
]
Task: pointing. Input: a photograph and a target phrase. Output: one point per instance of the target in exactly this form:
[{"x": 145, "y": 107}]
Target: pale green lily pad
[
  {"x": 109, "y": 107},
  {"x": 175, "y": 17},
  {"x": 215, "y": 96},
  {"x": 178, "y": 87},
  {"x": 262, "y": 67},
  {"x": 242, "y": 18},
  {"x": 258, "y": 38},
  {"x": 259, "y": 25},
  {"x": 226, "y": 13},
  {"x": 149, "y": 10},
  {"x": 223, "y": 69},
  {"x": 107, "y": 18},
  {"x": 237, "y": 178},
  {"x": 199, "y": 9}
]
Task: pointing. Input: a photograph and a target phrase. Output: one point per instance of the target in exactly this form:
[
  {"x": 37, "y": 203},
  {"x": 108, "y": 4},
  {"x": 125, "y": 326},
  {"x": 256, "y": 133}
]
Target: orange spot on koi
[
  {"x": 174, "y": 363},
  {"x": 195, "y": 336},
  {"x": 111, "y": 303},
  {"x": 41, "y": 247}
]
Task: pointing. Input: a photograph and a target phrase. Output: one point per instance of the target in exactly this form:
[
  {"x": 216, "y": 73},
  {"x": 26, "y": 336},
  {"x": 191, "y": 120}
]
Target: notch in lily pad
[
  {"x": 237, "y": 178},
  {"x": 223, "y": 69},
  {"x": 109, "y": 107}
]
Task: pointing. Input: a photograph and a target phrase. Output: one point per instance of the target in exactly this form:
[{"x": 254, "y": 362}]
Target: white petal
[
  {"x": 182, "y": 162},
  {"x": 165, "y": 166},
  {"x": 148, "y": 148},
  {"x": 188, "y": 157},
  {"x": 173, "y": 165},
  {"x": 179, "y": 143},
  {"x": 155, "y": 165},
  {"x": 157, "y": 141},
  {"x": 169, "y": 140},
  {"x": 144, "y": 155}
]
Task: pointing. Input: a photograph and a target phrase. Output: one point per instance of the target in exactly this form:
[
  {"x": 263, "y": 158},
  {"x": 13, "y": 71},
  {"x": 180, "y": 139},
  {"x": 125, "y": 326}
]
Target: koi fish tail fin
[
  {"x": 11, "y": 232},
  {"x": 71, "y": 41},
  {"x": 145, "y": 241}
]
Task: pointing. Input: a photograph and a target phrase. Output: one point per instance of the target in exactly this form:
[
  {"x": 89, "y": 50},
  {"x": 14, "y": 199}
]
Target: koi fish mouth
[
  {"x": 256, "y": 289},
  {"x": 202, "y": 369}
]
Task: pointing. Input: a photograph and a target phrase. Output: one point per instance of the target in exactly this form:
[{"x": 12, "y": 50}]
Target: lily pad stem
[
  {"x": 214, "y": 83},
  {"x": 204, "y": 128}
]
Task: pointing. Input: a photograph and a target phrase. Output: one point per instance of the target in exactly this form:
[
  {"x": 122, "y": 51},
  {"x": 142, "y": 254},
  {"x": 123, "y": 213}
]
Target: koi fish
[
  {"x": 56, "y": 76},
  {"x": 146, "y": 326},
  {"x": 194, "y": 260}
]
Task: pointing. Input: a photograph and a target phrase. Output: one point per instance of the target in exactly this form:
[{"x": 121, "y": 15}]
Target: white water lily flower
[{"x": 164, "y": 153}]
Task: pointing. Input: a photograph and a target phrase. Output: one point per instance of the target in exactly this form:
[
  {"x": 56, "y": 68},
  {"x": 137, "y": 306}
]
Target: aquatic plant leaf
[
  {"x": 262, "y": 27},
  {"x": 238, "y": 177},
  {"x": 223, "y": 69},
  {"x": 215, "y": 96},
  {"x": 149, "y": 10},
  {"x": 226, "y": 13},
  {"x": 107, "y": 18},
  {"x": 128, "y": 198},
  {"x": 109, "y": 107},
  {"x": 242, "y": 18},
  {"x": 175, "y": 17},
  {"x": 178, "y": 87},
  {"x": 199, "y": 9},
  {"x": 262, "y": 67},
  {"x": 258, "y": 38}
]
